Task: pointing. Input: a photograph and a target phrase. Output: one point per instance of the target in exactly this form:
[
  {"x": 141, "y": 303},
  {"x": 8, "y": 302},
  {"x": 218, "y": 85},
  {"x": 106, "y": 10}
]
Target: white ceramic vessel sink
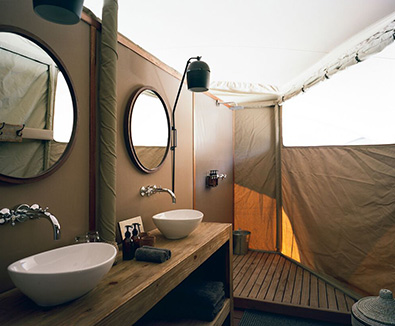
[
  {"x": 178, "y": 223},
  {"x": 60, "y": 275}
]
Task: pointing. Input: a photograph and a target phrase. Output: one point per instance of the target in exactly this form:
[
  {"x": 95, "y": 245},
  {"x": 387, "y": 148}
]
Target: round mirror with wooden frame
[
  {"x": 147, "y": 129},
  {"x": 38, "y": 108}
]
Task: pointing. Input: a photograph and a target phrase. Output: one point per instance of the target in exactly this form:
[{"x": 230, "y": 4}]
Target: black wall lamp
[
  {"x": 198, "y": 80},
  {"x": 66, "y": 12}
]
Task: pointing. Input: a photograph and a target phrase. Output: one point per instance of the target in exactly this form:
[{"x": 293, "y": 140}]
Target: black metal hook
[{"x": 19, "y": 132}]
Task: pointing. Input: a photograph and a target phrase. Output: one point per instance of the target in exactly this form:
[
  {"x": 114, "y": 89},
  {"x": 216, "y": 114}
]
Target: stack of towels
[{"x": 195, "y": 299}]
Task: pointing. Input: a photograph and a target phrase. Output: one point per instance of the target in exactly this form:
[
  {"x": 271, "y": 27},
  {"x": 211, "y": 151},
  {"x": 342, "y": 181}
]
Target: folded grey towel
[
  {"x": 199, "y": 292},
  {"x": 203, "y": 313},
  {"x": 168, "y": 252},
  {"x": 151, "y": 254},
  {"x": 172, "y": 308}
]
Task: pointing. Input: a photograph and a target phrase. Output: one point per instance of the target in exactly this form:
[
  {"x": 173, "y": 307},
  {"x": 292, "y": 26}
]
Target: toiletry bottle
[
  {"x": 135, "y": 237},
  {"x": 127, "y": 245}
]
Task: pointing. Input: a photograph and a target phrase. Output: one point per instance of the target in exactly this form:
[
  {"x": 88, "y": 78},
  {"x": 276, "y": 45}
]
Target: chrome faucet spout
[
  {"x": 171, "y": 193},
  {"x": 55, "y": 225},
  {"x": 24, "y": 212},
  {"x": 151, "y": 190},
  {"x": 35, "y": 211}
]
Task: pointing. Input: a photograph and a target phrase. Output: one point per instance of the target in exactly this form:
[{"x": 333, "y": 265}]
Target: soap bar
[{"x": 147, "y": 240}]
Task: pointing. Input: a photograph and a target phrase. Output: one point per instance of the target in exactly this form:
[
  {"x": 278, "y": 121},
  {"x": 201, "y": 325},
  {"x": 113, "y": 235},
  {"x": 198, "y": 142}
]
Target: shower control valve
[{"x": 212, "y": 178}]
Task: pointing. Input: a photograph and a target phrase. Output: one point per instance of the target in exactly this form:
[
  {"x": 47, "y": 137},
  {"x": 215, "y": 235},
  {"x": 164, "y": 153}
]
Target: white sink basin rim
[
  {"x": 179, "y": 223},
  {"x": 61, "y": 275}
]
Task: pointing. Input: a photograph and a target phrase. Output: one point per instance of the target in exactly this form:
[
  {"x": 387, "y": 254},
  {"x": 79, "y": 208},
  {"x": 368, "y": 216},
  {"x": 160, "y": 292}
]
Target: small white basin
[
  {"x": 178, "y": 223},
  {"x": 60, "y": 275}
]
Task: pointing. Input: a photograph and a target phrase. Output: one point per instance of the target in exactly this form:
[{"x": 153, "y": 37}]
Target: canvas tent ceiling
[{"x": 256, "y": 45}]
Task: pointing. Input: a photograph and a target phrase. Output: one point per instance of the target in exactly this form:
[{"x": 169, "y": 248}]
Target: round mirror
[
  {"x": 37, "y": 109},
  {"x": 147, "y": 129}
]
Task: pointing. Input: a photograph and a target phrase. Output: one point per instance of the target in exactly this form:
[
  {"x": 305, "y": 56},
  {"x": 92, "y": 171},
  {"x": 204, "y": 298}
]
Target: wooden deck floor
[{"x": 271, "y": 282}]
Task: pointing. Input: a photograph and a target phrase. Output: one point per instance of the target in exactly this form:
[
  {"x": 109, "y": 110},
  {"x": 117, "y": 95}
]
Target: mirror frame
[
  {"x": 128, "y": 129},
  {"x": 39, "y": 42}
]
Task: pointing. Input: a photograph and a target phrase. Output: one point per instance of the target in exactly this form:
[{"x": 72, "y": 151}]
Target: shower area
[{"x": 321, "y": 221}]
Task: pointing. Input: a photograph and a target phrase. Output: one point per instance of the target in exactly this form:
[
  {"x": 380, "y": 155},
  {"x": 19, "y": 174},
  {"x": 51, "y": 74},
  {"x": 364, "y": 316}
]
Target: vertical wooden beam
[{"x": 92, "y": 129}]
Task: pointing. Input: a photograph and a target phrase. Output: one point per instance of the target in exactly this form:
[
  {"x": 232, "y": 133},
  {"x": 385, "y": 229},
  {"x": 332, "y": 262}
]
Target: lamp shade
[
  {"x": 198, "y": 76},
  {"x": 66, "y": 12}
]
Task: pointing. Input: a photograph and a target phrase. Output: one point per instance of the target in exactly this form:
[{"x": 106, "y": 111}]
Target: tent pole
[{"x": 277, "y": 128}]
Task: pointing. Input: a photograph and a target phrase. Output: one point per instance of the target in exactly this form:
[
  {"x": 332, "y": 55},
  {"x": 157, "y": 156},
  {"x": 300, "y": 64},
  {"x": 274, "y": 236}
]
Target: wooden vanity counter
[{"x": 132, "y": 288}]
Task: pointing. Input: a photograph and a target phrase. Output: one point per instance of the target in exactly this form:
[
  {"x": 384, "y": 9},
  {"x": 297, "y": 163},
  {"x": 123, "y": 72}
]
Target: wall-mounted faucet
[
  {"x": 24, "y": 212},
  {"x": 151, "y": 190}
]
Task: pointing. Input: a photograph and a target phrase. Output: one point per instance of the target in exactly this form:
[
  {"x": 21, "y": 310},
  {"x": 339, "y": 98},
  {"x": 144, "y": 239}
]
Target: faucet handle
[
  {"x": 143, "y": 191},
  {"x": 147, "y": 191},
  {"x": 5, "y": 215}
]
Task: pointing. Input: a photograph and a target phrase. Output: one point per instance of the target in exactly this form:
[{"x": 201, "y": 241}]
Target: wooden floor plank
[
  {"x": 243, "y": 271},
  {"x": 248, "y": 288},
  {"x": 271, "y": 293},
  {"x": 282, "y": 282},
  {"x": 305, "y": 295},
  {"x": 313, "y": 291},
  {"x": 246, "y": 274},
  {"x": 332, "y": 302},
  {"x": 261, "y": 277},
  {"x": 289, "y": 288},
  {"x": 268, "y": 279},
  {"x": 236, "y": 260},
  {"x": 341, "y": 300},
  {"x": 241, "y": 263},
  {"x": 350, "y": 302},
  {"x": 297, "y": 292},
  {"x": 322, "y": 296}
]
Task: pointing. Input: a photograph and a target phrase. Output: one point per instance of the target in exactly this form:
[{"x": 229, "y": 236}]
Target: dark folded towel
[
  {"x": 151, "y": 254},
  {"x": 170, "y": 309},
  {"x": 204, "y": 313},
  {"x": 194, "y": 299},
  {"x": 168, "y": 252},
  {"x": 198, "y": 292}
]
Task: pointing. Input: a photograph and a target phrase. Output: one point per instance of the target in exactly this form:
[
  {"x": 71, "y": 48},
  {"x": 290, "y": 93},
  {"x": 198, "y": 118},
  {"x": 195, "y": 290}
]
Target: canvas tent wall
[
  {"x": 338, "y": 203},
  {"x": 29, "y": 79}
]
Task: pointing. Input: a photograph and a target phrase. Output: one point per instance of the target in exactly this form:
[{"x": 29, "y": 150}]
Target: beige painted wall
[
  {"x": 134, "y": 72},
  {"x": 213, "y": 151},
  {"x": 65, "y": 192}
]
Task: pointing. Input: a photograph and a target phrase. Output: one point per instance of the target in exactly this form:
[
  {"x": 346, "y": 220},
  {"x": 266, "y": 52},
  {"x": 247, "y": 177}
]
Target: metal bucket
[{"x": 241, "y": 238}]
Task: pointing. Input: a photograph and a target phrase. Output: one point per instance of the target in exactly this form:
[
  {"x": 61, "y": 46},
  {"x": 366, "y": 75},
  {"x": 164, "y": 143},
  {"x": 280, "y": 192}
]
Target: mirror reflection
[
  {"x": 148, "y": 130},
  {"x": 36, "y": 109}
]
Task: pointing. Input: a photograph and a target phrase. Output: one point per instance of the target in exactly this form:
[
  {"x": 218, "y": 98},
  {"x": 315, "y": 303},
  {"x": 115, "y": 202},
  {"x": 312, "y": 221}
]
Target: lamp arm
[{"x": 173, "y": 122}]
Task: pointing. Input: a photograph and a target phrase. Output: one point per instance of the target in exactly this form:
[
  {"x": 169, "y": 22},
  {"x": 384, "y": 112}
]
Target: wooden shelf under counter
[
  {"x": 218, "y": 321},
  {"x": 132, "y": 288}
]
